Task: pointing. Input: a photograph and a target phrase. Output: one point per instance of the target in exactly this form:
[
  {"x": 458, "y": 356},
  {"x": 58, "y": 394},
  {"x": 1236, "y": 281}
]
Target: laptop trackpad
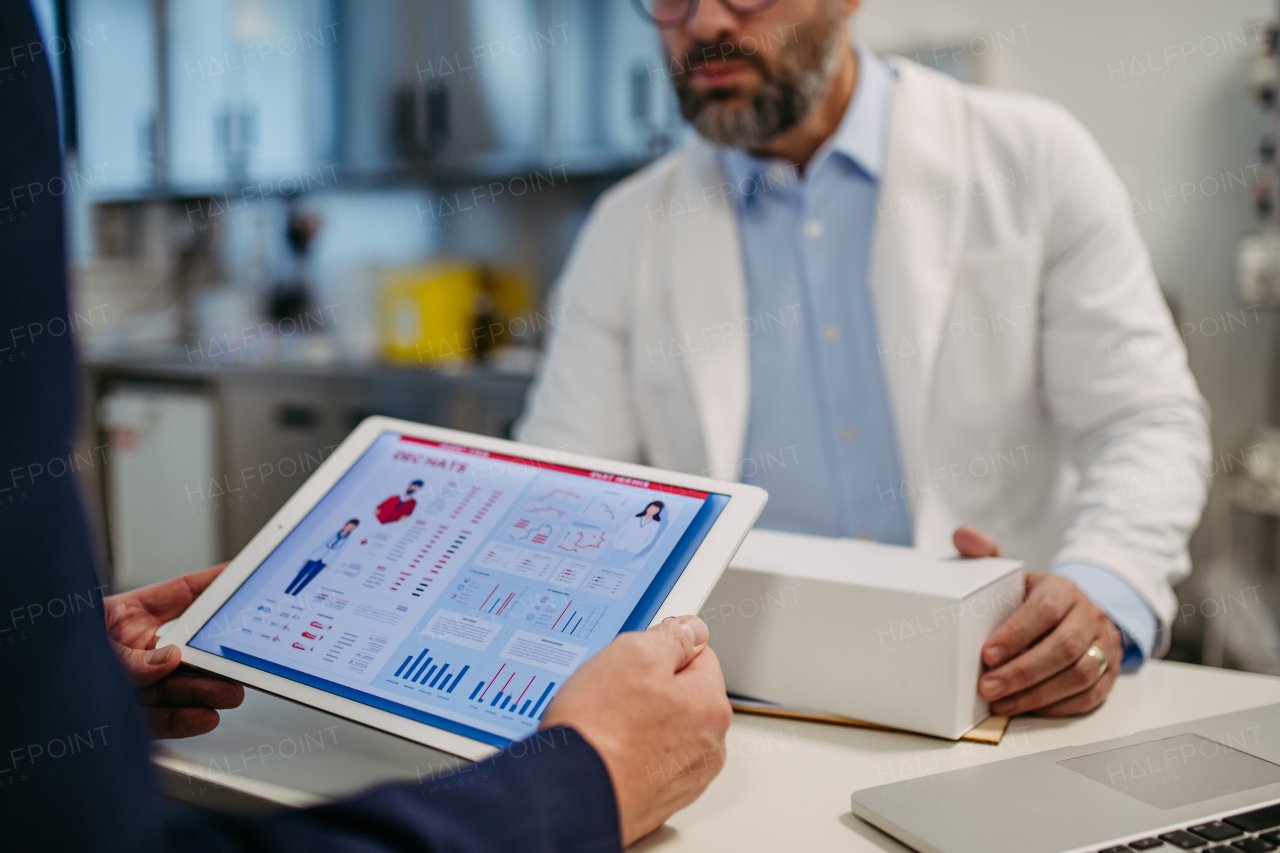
[{"x": 1176, "y": 771}]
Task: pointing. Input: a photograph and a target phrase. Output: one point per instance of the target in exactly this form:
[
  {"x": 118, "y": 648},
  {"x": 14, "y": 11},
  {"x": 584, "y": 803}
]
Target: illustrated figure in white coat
[
  {"x": 909, "y": 308},
  {"x": 322, "y": 557},
  {"x": 637, "y": 532}
]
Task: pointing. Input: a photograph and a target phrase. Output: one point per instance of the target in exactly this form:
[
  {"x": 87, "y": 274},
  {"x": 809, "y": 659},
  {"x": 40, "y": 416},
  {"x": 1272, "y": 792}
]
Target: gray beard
[{"x": 785, "y": 97}]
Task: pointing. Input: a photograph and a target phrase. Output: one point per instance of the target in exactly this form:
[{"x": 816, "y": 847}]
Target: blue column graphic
[
  {"x": 542, "y": 699},
  {"x": 421, "y": 668},
  {"x": 409, "y": 672},
  {"x": 457, "y": 678}
]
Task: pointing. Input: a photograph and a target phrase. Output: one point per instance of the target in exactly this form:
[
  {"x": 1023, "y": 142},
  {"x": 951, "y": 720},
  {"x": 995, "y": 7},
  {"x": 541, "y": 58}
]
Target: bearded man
[{"x": 902, "y": 305}]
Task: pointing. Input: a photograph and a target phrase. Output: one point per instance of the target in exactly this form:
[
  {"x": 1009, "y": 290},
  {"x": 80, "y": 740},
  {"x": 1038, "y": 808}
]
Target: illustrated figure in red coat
[{"x": 397, "y": 507}]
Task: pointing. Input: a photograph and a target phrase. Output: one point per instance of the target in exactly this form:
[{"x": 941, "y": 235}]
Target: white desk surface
[{"x": 787, "y": 783}]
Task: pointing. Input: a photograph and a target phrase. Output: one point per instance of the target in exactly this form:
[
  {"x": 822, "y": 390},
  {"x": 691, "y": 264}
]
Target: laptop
[{"x": 1209, "y": 785}]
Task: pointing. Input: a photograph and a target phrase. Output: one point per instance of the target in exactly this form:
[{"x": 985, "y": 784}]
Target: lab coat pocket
[
  {"x": 988, "y": 424},
  {"x": 988, "y": 353}
]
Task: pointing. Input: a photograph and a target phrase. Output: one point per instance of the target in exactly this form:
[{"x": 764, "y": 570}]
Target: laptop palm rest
[{"x": 1085, "y": 797}]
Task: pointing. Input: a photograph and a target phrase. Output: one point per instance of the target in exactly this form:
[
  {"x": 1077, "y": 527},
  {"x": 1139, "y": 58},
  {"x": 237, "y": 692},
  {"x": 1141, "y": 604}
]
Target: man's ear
[{"x": 850, "y": 6}]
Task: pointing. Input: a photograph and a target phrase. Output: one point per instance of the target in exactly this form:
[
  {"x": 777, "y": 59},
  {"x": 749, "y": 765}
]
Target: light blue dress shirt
[{"x": 821, "y": 436}]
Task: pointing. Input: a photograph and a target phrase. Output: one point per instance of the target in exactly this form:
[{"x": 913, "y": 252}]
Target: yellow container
[
  {"x": 427, "y": 313},
  {"x": 511, "y": 294}
]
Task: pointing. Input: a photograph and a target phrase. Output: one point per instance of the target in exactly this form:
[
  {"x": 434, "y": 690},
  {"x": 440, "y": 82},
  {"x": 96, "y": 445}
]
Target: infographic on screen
[{"x": 457, "y": 586}]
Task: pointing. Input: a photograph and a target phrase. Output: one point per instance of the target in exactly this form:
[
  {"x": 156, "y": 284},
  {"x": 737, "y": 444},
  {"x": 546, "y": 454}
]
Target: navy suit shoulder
[
  {"x": 74, "y": 766},
  {"x": 70, "y": 729}
]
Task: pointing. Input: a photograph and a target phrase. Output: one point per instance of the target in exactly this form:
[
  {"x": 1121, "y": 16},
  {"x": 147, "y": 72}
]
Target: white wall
[{"x": 1189, "y": 118}]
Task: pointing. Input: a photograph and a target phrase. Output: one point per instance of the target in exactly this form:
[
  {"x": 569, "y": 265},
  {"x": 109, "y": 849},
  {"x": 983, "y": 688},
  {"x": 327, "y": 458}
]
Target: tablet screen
[{"x": 459, "y": 587}]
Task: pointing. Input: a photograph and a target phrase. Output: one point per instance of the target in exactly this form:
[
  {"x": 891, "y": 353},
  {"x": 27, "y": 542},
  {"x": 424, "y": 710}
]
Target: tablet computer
[{"x": 442, "y": 586}]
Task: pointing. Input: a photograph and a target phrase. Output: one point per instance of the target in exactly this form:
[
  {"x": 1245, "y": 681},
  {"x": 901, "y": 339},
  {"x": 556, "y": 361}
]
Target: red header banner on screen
[{"x": 549, "y": 466}]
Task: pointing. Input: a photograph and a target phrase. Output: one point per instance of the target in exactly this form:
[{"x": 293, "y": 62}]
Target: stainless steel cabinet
[
  {"x": 250, "y": 90},
  {"x": 113, "y": 49},
  {"x": 189, "y": 96},
  {"x": 274, "y": 433},
  {"x": 268, "y": 430},
  {"x": 276, "y": 427},
  {"x": 194, "y": 95},
  {"x": 160, "y": 465},
  {"x": 490, "y": 88}
]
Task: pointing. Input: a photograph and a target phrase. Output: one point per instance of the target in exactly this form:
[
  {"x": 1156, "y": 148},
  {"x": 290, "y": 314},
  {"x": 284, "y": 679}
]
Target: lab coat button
[
  {"x": 814, "y": 229},
  {"x": 831, "y": 332},
  {"x": 848, "y": 434}
]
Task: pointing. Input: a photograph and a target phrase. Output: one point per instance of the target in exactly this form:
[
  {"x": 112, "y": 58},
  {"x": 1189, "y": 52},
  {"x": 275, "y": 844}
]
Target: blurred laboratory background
[{"x": 290, "y": 214}]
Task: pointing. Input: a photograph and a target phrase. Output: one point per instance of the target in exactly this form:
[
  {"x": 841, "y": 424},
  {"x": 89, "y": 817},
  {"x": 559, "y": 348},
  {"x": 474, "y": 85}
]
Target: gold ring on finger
[{"x": 1096, "y": 653}]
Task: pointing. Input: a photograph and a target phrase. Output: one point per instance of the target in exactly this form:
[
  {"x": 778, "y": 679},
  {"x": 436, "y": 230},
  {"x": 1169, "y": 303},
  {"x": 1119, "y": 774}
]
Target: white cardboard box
[{"x": 879, "y": 633}]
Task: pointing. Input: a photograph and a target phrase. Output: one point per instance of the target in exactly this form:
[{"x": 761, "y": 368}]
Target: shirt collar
[{"x": 862, "y": 135}]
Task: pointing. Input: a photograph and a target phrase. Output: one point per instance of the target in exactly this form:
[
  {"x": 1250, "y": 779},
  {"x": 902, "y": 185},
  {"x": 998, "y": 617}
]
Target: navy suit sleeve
[
  {"x": 548, "y": 793},
  {"x": 74, "y": 768}
]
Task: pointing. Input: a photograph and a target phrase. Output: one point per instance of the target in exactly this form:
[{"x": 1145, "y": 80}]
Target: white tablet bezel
[{"x": 689, "y": 593}]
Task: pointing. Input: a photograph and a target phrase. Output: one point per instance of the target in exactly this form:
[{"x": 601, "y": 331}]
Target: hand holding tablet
[
  {"x": 654, "y": 708},
  {"x": 178, "y": 704},
  {"x": 443, "y": 586}
]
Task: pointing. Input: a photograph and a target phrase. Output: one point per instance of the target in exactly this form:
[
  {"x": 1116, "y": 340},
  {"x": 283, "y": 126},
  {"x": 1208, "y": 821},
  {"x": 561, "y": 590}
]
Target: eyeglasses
[{"x": 674, "y": 13}]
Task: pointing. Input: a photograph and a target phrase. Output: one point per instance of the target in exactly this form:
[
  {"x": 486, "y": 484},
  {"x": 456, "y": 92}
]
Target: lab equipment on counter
[
  {"x": 426, "y": 313},
  {"x": 454, "y": 312}
]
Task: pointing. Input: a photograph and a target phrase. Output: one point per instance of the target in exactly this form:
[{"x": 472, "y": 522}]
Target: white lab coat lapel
[
  {"x": 708, "y": 294},
  {"x": 912, "y": 271},
  {"x": 922, "y": 216}
]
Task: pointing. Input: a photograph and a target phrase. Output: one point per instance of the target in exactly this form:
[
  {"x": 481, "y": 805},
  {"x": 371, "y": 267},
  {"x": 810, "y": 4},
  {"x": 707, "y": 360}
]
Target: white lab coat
[
  {"x": 327, "y": 551},
  {"x": 1039, "y": 388},
  {"x": 636, "y": 534}
]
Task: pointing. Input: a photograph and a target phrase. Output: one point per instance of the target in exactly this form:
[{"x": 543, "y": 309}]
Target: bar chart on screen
[
  {"x": 483, "y": 593},
  {"x": 579, "y": 619},
  {"x": 427, "y": 671},
  {"x": 560, "y": 613},
  {"x": 508, "y": 691}
]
